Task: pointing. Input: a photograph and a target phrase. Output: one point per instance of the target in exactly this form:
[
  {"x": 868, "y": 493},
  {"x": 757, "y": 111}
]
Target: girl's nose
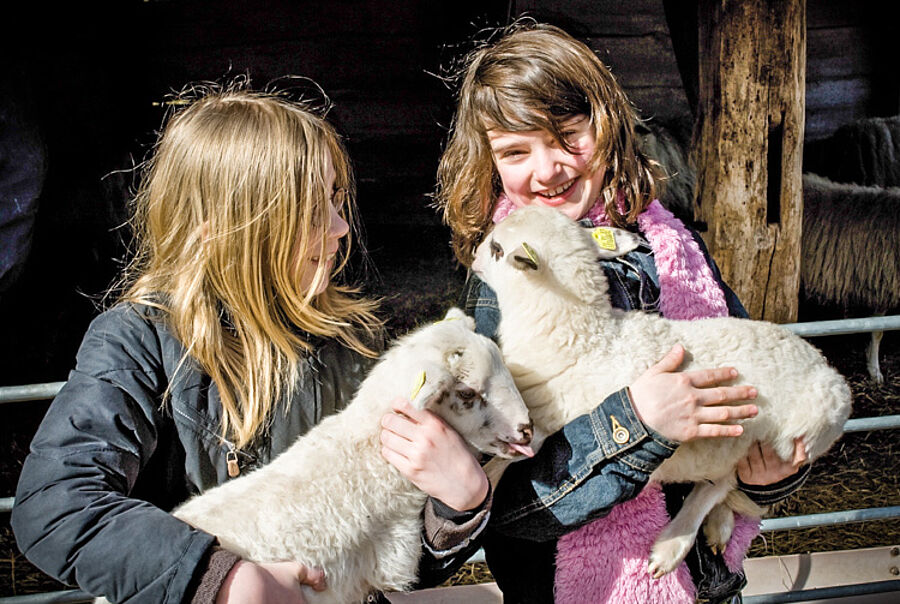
[
  {"x": 547, "y": 164},
  {"x": 338, "y": 227}
]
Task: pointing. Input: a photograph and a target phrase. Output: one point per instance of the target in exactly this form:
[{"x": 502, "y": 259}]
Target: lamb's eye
[
  {"x": 466, "y": 394},
  {"x": 468, "y": 397},
  {"x": 496, "y": 250}
]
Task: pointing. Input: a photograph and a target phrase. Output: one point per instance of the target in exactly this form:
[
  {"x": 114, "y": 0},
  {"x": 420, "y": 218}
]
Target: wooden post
[{"x": 750, "y": 147}]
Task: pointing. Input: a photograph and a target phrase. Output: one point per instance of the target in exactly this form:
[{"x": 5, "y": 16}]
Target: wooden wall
[
  {"x": 93, "y": 71},
  {"x": 849, "y": 44}
]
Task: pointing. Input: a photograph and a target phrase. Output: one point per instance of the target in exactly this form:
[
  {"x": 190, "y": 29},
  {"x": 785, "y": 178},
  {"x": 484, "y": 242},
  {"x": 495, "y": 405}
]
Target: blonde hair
[
  {"x": 536, "y": 77},
  {"x": 232, "y": 196}
]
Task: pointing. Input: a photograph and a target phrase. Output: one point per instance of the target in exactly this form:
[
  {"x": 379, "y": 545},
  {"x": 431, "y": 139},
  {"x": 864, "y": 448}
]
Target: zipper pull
[{"x": 234, "y": 470}]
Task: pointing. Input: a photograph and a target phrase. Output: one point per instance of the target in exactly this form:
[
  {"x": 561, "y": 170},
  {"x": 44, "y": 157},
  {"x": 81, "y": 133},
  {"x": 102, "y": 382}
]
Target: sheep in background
[
  {"x": 332, "y": 501},
  {"x": 865, "y": 151},
  {"x": 851, "y": 249},
  {"x": 668, "y": 142},
  {"x": 836, "y": 267},
  {"x": 567, "y": 347}
]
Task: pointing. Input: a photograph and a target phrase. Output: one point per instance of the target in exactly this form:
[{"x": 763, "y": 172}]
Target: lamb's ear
[
  {"x": 612, "y": 242},
  {"x": 456, "y": 314},
  {"x": 524, "y": 258},
  {"x": 430, "y": 386}
]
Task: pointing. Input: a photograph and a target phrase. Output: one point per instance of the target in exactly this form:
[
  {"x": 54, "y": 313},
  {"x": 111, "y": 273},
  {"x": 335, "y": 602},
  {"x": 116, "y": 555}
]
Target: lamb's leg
[
  {"x": 872, "y": 357},
  {"x": 719, "y": 523},
  {"x": 718, "y": 526},
  {"x": 678, "y": 536}
]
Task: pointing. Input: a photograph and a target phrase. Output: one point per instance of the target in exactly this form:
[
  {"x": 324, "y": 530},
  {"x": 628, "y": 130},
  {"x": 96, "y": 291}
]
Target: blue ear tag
[{"x": 605, "y": 238}]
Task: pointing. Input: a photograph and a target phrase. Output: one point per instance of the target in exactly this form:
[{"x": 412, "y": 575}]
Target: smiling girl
[{"x": 541, "y": 121}]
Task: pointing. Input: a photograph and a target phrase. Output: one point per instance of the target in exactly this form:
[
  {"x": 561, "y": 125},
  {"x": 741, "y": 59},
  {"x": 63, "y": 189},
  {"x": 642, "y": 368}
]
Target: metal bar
[
  {"x": 844, "y": 326},
  {"x": 29, "y": 392},
  {"x": 830, "y": 518},
  {"x": 826, "y": 593},
  {"x": 870, "y": 424},
  {"x": 6, "y": 504},
  {"x": 71, "y": 596}
]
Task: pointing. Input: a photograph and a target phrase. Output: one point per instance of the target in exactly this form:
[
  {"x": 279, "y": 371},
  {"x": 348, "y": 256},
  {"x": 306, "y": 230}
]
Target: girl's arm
[
  {"x": 436, "y": 459},
  {"x": 586, "y": 468},
  {"x": 73, "y": 516}
]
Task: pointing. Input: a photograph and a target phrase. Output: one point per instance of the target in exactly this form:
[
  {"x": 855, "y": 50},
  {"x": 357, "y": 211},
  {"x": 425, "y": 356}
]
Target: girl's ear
[{"x": 524, "y": 258}]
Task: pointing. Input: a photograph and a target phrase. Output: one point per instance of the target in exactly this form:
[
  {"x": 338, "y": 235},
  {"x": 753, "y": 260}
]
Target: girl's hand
[
  {"x": 433, "y": 456},
  {"x": 268, "y": 583},
  {"x": 686, "y": 405},
  {"x": 762, "y": 465}
]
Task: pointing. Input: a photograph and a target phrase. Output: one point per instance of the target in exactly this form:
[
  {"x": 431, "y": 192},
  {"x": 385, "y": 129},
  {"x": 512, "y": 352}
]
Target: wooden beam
[{"x": 750, "y": 146}]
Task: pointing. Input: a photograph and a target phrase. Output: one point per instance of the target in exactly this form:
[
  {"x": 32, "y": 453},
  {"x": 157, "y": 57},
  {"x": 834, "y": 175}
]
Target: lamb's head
[
  {"x": 541, "y": 249},
  {"x": 465, "y": 381}
]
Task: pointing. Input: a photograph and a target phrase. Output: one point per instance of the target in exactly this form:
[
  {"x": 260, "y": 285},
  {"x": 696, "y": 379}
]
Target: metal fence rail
[{"x": 33, "y": 392}]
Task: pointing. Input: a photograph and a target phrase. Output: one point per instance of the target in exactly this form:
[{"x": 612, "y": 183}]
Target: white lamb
[
  {"x": 567, "y": 348},
  {"x": 333, "y": 502}
]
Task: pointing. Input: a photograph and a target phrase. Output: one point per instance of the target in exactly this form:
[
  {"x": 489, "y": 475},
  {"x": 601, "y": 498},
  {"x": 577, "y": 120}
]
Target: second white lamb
[{"x": 568, "y": 348}]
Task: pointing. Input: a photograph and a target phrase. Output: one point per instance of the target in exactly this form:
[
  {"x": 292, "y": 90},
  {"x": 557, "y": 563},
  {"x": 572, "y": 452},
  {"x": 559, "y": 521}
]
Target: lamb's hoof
[
  {"x": 718, "y": 527},
  {"x": 667, "y": 554}
]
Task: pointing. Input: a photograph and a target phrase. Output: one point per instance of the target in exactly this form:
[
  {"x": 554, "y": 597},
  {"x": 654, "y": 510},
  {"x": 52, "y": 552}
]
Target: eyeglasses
[{"x": 339, "y": 198}]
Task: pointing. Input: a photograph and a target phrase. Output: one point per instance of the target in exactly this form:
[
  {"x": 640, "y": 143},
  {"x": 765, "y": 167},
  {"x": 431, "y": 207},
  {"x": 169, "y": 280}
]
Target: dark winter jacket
[{"x": 130, "y": 436}]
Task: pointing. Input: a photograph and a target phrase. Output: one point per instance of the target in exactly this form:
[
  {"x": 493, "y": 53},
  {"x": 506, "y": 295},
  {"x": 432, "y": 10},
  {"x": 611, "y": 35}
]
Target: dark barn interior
[{"x": 89, "y": 81}]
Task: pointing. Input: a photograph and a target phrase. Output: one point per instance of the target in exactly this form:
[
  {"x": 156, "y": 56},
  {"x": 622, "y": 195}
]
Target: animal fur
[
  {"x": 850, "y": 246},
  {"x": 865, "y": 151},
  {"x": 331, "y": 500},
  {"x": 567, "y": 348}
]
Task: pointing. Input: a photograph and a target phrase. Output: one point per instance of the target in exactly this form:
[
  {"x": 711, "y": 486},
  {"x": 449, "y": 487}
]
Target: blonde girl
[
  {"x": 541, "y": 120},
  {"x": 233, "y": 335}
]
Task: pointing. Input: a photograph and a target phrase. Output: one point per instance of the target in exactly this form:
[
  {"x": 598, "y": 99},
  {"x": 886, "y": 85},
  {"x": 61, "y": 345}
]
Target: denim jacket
[
  {"x": 110, "y": 459},
  {"x": 580, "y": 472}
]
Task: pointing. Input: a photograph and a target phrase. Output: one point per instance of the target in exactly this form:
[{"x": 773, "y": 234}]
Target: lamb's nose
[{"x": 527, "y": 431}]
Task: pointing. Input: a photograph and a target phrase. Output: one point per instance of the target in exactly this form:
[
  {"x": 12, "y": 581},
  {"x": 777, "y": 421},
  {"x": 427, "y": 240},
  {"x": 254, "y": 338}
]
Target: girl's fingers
[
  {"x": 669, "y": 363},
  {"x": 801, "y": 455},
  {"x": 399, "y": 425},
  {"x": 719, "y": 430},
  {"x": 724, "y": 413},
  {"x": 404, "y": 407},
  {"x": 395, "y": 459},
  {"x": 395, "y": 442},
  {"x": 704, "y": 378},
  {"x": 314, "y": 577}
]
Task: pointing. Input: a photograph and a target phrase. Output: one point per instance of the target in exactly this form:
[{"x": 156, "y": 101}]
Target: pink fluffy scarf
[{"x": 606, "y": 560}]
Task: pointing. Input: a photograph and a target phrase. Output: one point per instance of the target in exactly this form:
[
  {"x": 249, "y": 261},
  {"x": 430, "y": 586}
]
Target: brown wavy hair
[
  {"x": 536, "y": 77},
  {"x": 231, "y": 196}
]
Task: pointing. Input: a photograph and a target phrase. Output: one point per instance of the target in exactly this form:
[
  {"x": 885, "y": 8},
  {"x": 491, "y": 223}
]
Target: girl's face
[
  {"x": 535, "y": 170},
  {"x": 336, "y": 229}
]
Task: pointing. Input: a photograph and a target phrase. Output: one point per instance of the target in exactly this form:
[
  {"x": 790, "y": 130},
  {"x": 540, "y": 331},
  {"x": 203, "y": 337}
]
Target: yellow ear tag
[
  {"x": 420, "y": 381},
  {"x": 532, "y": 255},
  {"x": 605, "y": 238}
]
